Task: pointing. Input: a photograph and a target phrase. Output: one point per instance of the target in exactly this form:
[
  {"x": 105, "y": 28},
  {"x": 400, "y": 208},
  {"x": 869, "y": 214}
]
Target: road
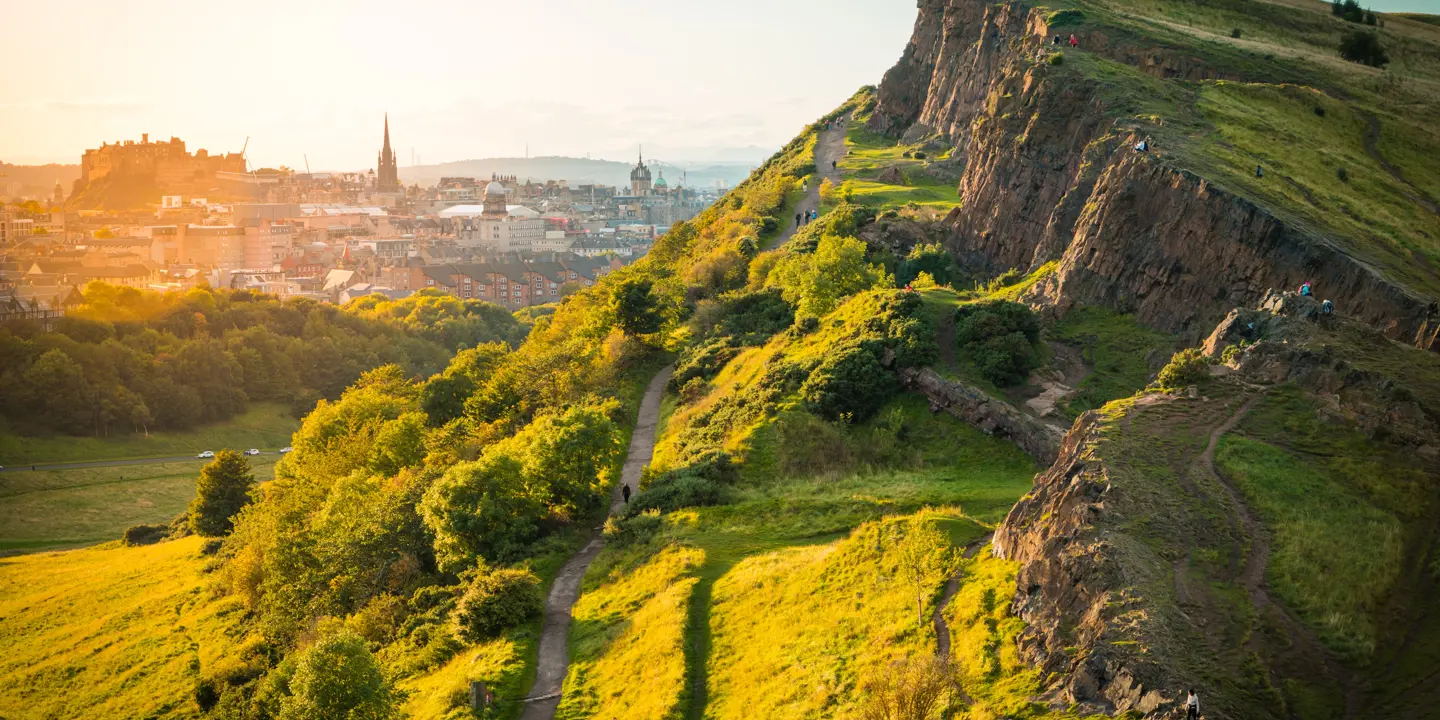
[{"x": 111, "y": 463}]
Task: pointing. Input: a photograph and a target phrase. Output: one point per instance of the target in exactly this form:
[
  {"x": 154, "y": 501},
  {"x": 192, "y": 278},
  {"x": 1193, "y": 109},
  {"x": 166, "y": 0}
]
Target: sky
[{"x": 311, "y": 80}]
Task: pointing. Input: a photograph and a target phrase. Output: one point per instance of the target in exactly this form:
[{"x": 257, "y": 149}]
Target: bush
[
  {"x": 1235, "y": 33},
  {"x": 927, "y": 258},
  {"x": 1364, "y": 48},
  {"x": 675, "y": 492},
  {"x": 850, "y": 384},
  {"x": 635, "y": 529},
  {"x": 1343, "y": 174},
  {"x": 337, "y": 677},
  {"x": 1320, "y": 111},
  {"x": 1187, "y": 367},
  {"x": 999, "y": 338},
  {"x": 769, "y": 224},
  {"x": 144, "y": 534},
  {"x": 496, "y": 601},
  {"x": 1056, "y": 58}
]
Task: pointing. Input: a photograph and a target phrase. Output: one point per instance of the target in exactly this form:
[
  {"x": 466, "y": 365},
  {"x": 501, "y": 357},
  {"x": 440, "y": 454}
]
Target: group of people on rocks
[{"x": 1326, "y": 307}]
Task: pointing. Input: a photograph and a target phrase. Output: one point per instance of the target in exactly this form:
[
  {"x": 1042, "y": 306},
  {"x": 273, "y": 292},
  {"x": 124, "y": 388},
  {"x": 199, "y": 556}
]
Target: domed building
[
  {"x": 495, "y": 199},
  {"x": 661, "y": 187},
  {"x": 640, "y": 178}
]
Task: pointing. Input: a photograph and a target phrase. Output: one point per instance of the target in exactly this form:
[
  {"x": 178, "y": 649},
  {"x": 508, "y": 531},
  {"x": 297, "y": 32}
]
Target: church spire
[
  {"x": 387, "y": 134},
  {"x": 388, "y": 172}
]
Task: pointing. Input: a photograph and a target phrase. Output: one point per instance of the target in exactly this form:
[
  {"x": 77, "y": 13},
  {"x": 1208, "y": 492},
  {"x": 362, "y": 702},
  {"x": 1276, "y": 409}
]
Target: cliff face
[{"x": 1047, "y": 174}]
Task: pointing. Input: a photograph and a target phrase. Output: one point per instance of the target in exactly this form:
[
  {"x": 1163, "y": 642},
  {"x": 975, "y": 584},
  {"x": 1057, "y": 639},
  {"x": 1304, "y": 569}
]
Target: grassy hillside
[{"x": 112, "y": 632}]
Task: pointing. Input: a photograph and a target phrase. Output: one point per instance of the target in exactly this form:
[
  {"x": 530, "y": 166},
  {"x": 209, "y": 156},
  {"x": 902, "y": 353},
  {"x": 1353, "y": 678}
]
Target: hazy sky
[{"x": 460, "y": 78}]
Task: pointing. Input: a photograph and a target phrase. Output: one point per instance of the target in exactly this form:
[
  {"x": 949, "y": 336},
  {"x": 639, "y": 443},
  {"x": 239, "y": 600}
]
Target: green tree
[
  {"x": 338, "y": 678},
  {"x": 482, "y": 509},
  {"x": 634, "y": 306},
  {"x": 496, "y": 601},
  {"x": 567, "y": 456},
  {"x": 924, "y": 559},
  {"x": 1365, "y": 48},
  {"x": 816, "y": 283},
  {"x": 59, "y": 394},
  {"x": 223, "y": 488}
]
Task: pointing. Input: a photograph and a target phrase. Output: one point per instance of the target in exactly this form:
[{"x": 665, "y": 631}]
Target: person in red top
[{"x": 1074, "y": 42}]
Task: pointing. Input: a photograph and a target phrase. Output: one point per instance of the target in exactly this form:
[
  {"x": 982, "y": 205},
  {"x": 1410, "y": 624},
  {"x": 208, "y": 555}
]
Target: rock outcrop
[
  {"x": 1048, "y": 175},
  {"x": 994, "y": 417}
]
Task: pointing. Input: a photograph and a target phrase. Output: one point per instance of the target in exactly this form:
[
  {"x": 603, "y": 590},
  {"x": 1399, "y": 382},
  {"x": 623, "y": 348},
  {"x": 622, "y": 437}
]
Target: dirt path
[
  {"x": 1303, "y": 641},
  {"x": 829, "y": 148},
  {"x": 952, "y": 586},
  {"x": 1372, "y": 140},
  {"x": 554, "y": 656}
]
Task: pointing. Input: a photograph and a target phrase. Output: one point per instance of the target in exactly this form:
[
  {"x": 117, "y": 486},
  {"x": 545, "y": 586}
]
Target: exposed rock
[
  {"x": 992, "y": 416},
  {"x": 1048, "y": 176},
  {"x": 892, "y": 176}
]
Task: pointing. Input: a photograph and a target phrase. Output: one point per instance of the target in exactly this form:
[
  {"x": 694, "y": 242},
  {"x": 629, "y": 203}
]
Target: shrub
[
  {"x": 927, "y": 258},
  {"x": 920, "y": 155},
  {"x": 1187, "y": 367},
  {"x": 1320, "y": 111},
  {"x": 1343, "y": 174},
  {"x": 999, "y": 338},
  {"x": 496, "y": 601},
  {"x": 1364, "y": 48},
  {"x": 1235, "y": 33},
  {"x": 675, "y": 492},
  {"x": 144, "y": 534},
  {"x": 337, "y": 677},
  {"x": 1056, "y": 58},
  {"x": 769, "y": 224},
  {"x": 635, "y": 529},
  {"x": 850, "y": 384}
]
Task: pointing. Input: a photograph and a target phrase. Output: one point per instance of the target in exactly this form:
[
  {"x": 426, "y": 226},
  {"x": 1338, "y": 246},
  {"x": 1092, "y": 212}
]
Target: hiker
[
  {"x": 1142, "y": 146},
  {"x": 832, "y": 164},
  {"x": 804, "y": 186},
  {"x": 1305, "y": 288},
  {"x": 1056, "y": 41},
  {"x": 1327, "y": 308},
  {"x": 1259, "y": 171},
  {"x": 797, "y": 220},
  {"x": 1192, "y": 706},
  {"x": 814, "y": 214},
  {"x": 1074, "y": 42},
  {"x": 625, "y": 492}
]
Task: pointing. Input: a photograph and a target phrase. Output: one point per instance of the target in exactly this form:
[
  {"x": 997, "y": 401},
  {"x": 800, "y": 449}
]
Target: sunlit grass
[{"x": 266, "y": 426}]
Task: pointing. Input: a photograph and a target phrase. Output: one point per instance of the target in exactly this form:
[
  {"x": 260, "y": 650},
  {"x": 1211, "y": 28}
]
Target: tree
[
  {"x": 815, "y": 283},
  {"x": 634, "y": 306},
  {"x": 338, "y": 678},
  {"x": 1364, "y": 48},
  {"x": 223, "y": 488},
  {"x": 914, "y": 689},
  {"x": 925, "y": 559},
  {"x": 496, "y": 601},
  {"x": 481, "y": 509},
  {"x": 567, "y": 454},
  {"x": 59, "y": 393}
]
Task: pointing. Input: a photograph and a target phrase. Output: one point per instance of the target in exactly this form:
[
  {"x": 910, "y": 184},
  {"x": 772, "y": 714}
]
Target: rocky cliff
[{"x": 1047, "y": 173}]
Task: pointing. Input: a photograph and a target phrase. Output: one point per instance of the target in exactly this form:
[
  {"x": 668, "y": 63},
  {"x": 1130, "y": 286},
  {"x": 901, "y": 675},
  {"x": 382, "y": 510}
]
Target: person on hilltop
[
  {"x": 1327, "y": 308},
  {"x": 1192, "y": 706},
  {"x": 1305, "y": 288}
]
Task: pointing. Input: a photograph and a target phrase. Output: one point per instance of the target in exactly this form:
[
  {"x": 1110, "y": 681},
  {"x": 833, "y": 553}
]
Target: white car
[
  {"x": 206, "y": 454},
  {"x": 286, "y": 449},
  {"x": 252, "y": 451}
]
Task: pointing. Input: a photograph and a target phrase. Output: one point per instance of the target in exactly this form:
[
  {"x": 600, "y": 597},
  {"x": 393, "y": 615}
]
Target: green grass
[
  {"x": 1372, "y": 212},
  {"x": 1114, "y": 347},
  {"x": 266, "y": 426},
  {"x": 627, "y": 639},
  {"x": 869, "y": 154},
  {"x": 110, "y": 632},
  {"x": 51, "y": 509},
  {"x": 1334, "y": 555}
]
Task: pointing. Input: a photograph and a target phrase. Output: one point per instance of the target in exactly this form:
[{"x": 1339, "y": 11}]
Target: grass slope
[{"x": 109, "y": 632}]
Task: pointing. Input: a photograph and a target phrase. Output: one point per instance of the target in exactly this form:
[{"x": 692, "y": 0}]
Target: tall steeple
[
  {"x": 387, "y": 174},
  {"x": 640, "y": 177}
]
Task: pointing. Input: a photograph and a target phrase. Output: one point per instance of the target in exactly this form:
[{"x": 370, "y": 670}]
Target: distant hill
[
  {"x": 577, "y": 171},
  {"x": 37, "y": 180}
]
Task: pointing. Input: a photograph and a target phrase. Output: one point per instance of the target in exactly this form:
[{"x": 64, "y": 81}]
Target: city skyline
[{"x": 690, "y": 82}]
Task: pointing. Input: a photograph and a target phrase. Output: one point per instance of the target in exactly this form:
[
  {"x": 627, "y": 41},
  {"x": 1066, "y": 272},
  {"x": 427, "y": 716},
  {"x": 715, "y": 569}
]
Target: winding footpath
[
  {"x": 829, "y": 150},
  {"x": 554, "y": 656}
]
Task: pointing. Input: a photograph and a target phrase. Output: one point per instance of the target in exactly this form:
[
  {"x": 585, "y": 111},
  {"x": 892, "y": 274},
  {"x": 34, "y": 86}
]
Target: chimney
[{"x": 144, "y": 137}]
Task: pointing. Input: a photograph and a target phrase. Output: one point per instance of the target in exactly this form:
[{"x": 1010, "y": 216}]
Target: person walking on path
[
  {"x": 625, "y": 493},
  {"x": 1192, "y": 706},
  {"x": 797, "y": 220},
  {"x": 1074, "y": 42}
]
